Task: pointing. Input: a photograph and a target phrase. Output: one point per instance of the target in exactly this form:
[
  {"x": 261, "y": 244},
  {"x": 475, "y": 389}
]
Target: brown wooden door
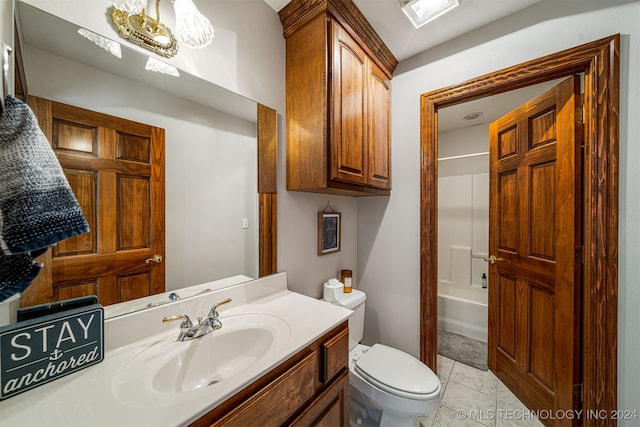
[
  {"x": 116, "y": 170},
  {"x": 379, "y": 129},
  {"x": 348, "y": 109},
  {"x": 534, "y": 287}
]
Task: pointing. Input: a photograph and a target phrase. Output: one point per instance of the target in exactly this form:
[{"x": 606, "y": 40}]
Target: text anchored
[{"x": 37, "y": 351}]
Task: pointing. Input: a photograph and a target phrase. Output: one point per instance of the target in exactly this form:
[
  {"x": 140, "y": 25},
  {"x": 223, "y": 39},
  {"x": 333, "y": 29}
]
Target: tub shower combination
[{"x": 463, "y": 235}]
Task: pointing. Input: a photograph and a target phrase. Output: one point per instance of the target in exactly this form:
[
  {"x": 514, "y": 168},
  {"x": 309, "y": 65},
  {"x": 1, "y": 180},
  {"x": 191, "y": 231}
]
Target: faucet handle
[
  {"x": 213, "y": 312},
  {"x": 186, "y": 322},
  {"x": 186, "y": 327}
]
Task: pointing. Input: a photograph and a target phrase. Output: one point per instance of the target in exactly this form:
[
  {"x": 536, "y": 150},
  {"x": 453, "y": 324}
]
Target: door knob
[
  {"x": 492, "y": 259},
  {"x": 157, "y": 258}
]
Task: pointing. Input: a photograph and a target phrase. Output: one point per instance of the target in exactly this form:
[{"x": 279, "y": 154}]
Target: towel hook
[{"x": 6, "y": 50}]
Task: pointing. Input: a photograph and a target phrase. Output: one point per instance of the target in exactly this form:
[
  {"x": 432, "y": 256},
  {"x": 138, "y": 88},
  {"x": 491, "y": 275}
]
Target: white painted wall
[
  {"x": 210, "y": 167},
  {"x": 388, "y": 238}
]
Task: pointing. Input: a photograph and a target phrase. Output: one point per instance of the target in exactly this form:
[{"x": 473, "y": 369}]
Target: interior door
[
  {"x": 535, "y": 243},
  {"x": 116, "y": 170}
]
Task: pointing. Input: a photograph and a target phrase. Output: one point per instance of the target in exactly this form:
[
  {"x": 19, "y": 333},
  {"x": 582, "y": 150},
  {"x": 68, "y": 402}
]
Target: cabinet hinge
[
  {"x": 578, "y": 392},
  {"x": 580, "y": 114},
  {"x": 579, "y": 254}
]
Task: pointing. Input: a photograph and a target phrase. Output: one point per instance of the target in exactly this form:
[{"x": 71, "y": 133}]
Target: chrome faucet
[{"x": 204, "y": 326}]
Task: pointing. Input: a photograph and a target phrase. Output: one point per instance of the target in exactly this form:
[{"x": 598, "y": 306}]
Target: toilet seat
[{"x": 397, "y": 372}]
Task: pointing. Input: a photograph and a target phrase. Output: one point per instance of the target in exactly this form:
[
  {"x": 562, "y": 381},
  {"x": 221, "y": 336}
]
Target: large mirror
[{"x": 213, "y": 224}]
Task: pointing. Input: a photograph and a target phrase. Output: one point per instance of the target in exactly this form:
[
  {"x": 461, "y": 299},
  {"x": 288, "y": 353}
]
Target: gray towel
[{"x": 37, "y": 207}]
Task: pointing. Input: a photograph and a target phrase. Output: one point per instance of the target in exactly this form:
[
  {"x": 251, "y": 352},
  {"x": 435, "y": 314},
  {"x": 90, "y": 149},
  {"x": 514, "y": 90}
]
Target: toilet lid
[{"x": 397, "y": 372}]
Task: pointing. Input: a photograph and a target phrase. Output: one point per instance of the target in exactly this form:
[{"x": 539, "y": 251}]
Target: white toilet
[{"x": 389, "y": 387}]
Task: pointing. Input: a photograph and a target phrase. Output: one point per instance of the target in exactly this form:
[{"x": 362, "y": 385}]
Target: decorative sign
[
  {"x": 329, "y": 230},
  {"x": 37, "y": 351}
]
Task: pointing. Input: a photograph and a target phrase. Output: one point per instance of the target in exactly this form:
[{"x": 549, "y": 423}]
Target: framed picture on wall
[{"x": 329, "y": 232}]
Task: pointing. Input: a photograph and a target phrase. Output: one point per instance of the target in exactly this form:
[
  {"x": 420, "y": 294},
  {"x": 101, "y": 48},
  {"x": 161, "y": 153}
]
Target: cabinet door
[
  {"x": 277, "y": 401},
  {"x": 348, "y": 150},
  {"x": 379, "y": 129},
  {"x": 330, "y": 409}
]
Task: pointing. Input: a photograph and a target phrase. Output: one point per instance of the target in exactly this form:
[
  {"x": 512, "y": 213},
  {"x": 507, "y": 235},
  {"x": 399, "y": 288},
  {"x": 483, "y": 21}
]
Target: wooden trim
[
  {"x": 158, "y": 152},
  {"x": 268, "y": 235},
  {"x": 267, "y": 152},
  {"x": 267, "y": 191},
  {"x": 299, "y": 12},
  {"x": 600, "y": 61}
]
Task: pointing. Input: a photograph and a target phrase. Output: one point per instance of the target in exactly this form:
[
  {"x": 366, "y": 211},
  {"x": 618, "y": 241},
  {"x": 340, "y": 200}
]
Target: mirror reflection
[{"x": 210, "y": 168}]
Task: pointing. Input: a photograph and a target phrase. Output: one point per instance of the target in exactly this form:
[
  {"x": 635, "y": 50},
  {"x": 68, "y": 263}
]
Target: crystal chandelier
[{"x": 193, "y": 29}]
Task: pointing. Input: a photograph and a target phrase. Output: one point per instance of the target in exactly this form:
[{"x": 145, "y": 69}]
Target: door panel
[
  {"x": 533, "y": 310},
  {"x": 507, "y": 212},
  {"x": 134, "y": 212},
  {"x": 116, "y": 169},
  {"x": 542, "y": 212},
  {"x": 542, "y": 321},
  {"x": 83, "y": 183},
  {"x": 507, "y": 315}
]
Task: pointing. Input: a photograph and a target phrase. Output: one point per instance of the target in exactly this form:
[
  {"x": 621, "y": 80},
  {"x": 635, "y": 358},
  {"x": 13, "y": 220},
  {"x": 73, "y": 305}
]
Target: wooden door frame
[
  {"x": 267, "y": 127},
  {"x": 600, "y": 62}
]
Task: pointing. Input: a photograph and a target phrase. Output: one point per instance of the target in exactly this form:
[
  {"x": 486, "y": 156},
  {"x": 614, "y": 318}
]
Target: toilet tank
[{"x": 354, "y": 301}]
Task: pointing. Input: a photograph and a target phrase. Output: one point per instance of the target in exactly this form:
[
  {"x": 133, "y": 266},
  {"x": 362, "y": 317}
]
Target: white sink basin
[{"x": 173, "y": 369}]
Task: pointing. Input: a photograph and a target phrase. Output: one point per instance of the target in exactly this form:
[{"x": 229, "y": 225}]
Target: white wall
[
  {"x": 388, "y": 238},
  {"x": 210, "y": 166}
]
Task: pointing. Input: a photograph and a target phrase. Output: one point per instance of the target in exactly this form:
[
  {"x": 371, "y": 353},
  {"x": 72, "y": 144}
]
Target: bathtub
[{"x": 463, "y": 316}]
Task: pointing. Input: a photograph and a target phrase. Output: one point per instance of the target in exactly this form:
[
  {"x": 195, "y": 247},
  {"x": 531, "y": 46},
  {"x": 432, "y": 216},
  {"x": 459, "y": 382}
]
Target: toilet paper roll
[{"x": 331, "y": 289}]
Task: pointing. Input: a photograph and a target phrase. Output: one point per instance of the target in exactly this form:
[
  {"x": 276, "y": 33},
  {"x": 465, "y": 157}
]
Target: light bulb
[
  {"x": 130, "y": 6},
  {"x": 193, "y": 29}
]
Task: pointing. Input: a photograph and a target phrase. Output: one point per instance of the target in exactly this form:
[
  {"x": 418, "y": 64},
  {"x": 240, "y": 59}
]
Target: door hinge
[
  {"x": 579, "y": 254},
  {"x": 578, "y": 392},
  {"x": 580, "y": 114}
]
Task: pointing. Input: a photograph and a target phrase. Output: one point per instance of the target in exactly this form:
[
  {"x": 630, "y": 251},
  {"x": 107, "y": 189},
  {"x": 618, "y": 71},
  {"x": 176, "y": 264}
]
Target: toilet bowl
[{"x": 388, "y": 387}]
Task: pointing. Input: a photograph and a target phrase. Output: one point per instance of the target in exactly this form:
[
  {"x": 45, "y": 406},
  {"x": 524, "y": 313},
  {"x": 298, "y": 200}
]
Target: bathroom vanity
[
  {"x": 279, "y": 358},
  {"x": 310, "y": 388}
]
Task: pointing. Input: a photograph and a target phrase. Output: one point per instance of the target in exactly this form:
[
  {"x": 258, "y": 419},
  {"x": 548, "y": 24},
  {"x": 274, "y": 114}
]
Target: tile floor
[{"x": 475, "y": 398}]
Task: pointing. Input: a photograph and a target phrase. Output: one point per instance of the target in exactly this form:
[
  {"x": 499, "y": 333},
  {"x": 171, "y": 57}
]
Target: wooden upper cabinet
[{"x": 338, "y": 100}]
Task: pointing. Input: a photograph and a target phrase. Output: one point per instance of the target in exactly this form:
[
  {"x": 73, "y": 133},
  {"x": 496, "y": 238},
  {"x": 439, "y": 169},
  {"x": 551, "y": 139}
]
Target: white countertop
[{"x": 89, "y": 397}]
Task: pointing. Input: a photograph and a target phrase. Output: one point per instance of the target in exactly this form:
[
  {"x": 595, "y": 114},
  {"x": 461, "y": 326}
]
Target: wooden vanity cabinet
[
  {"x": 309, "y": 389},
  {"x": 338, "y": 84}
]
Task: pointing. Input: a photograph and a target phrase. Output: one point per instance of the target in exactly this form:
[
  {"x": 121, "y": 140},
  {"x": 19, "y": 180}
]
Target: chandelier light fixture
[{"x": 192, "y": 29}]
